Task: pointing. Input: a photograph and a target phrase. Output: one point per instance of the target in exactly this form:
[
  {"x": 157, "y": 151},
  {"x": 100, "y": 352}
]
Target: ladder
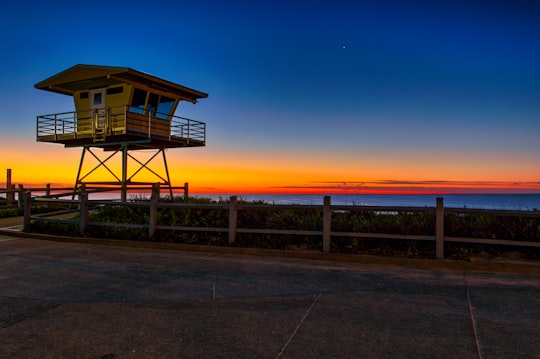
[
  {"x": 99, "y": 125},
  {"x": 99, "y": 135}
]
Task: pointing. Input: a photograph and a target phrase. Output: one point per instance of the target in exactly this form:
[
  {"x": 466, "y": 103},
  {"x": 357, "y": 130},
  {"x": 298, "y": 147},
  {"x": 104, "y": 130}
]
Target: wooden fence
[
  {"x": 234, "y": 206},
  {"x": 14, "y": 193}
]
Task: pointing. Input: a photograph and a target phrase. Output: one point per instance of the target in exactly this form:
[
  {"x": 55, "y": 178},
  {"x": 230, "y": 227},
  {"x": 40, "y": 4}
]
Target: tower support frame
[{"x": 123, "y": 181}]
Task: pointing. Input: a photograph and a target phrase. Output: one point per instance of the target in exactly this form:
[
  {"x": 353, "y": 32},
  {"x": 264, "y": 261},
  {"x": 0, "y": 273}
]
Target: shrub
[{"x": 266, "y": 216}]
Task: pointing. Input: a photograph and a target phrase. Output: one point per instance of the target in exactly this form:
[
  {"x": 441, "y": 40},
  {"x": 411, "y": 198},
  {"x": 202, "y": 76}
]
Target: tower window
[
  {"x": 158, "y": 106},
  {"x": 115, "y": 90},
  {"x": 164, "y": 107},
  {"x": 152, "y": 105},
  {"x": 138, "y": 102}
]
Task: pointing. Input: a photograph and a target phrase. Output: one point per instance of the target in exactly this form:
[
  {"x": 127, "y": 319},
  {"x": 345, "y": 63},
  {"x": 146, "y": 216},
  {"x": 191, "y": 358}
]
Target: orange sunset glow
[{"x": 232, "y": 172}]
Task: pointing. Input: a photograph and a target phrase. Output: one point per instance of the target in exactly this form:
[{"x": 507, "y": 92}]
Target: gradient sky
[{"x": 325, "y": 97}]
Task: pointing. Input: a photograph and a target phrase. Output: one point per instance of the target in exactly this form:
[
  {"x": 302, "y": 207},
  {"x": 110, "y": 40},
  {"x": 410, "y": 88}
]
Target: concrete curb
[{"x": 515, "y": 267}]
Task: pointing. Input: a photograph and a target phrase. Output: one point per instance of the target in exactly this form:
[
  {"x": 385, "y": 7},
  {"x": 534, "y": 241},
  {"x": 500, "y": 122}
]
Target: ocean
[
  {"x": 523, "y": 202},
  {"x": 526, "y": 202}
]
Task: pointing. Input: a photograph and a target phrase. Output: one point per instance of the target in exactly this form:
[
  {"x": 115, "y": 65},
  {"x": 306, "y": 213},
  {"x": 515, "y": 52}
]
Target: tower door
[{"x": 97, "y": 108}]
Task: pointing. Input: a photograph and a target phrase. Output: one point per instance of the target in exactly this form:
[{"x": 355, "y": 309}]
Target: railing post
[
  {"x": 9, "y": 188},
  {"x": 95, "y": 114},
  {"x": 439, "y": 229},
  {"x": 152, "y": 226},
  {"x": 26, "y": 201},
  {"x": 327, "y": 223},
  {"x": 186, "y": 192},
  {"x": 149, "y": 125},
  {"x": 55, "y": 128},
  {"x": 20, "y": 196},
  {"x": 233, "y": 216},
  {"x": 83, "y": 197},
  {"x": 107, "y": 120}
]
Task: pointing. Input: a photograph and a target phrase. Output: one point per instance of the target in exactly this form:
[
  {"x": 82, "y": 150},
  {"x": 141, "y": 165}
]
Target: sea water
[{"x": 525, "y": 202}]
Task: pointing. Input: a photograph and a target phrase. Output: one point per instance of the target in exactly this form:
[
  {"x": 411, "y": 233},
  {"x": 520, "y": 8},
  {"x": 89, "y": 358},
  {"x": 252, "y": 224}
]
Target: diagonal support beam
[
  {"x": 167, "y": 172},
  {"x": 145, "y": 165},
  {"x": 100, "y": 164},
  {"x": 122, "y": 179}
]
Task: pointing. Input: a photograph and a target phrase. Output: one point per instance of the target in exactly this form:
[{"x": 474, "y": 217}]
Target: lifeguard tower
[{"x": 121, "y": 111}]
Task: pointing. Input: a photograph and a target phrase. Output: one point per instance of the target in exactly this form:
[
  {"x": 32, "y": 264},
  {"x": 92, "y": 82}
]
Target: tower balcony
[{"x": 109, "y": 127}]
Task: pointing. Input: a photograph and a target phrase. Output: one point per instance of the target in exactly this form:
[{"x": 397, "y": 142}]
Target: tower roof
[{"x": 82, "y": 77}]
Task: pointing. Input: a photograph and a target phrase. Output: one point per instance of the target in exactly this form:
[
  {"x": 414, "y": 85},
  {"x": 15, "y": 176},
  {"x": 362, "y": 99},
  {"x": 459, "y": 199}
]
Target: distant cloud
[
  {"x": 419, "y": 186},
  {"x": 430, "y": 182}
]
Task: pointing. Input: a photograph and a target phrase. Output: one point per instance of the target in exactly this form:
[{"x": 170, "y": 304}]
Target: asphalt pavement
[{"x": 91, "y": 300}]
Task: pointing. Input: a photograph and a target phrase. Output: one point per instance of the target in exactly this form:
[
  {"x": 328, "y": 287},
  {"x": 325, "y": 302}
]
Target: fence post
[
  {"x": 439, "y": 229},
  {"x": 83, "y": 197},
  {"x": 153, "y": 210},
  {"x": 233, "y": 214},
  {"x": 186, "y": 192},
  {"x": 20, "y": 196},
  {"x": 9, "y": 188},
  {"x": 26, "y": 200},
  {"x": 327, "y": 223}
]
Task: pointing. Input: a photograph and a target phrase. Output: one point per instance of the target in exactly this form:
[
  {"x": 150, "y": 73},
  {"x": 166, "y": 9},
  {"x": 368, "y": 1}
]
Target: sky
[{"x": 304, "y": 97}]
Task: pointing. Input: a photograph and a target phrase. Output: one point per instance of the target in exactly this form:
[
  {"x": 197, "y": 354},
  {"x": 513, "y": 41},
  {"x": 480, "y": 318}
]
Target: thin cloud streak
[
  {"x": 414, "y": 187},
  {"x": 432, "y": 182}
]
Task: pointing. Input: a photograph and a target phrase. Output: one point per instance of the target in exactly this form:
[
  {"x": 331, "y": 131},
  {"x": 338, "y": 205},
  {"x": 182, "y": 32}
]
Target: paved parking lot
[{"x": 74, "y": 300}]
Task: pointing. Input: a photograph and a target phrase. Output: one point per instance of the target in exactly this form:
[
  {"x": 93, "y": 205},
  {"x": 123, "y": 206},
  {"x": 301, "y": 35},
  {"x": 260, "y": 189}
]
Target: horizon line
[{"x": 381, "y": 187}]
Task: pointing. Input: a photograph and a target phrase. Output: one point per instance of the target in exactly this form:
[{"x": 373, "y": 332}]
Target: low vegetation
[
  {"x": 476, "y": 225},
  {"x": 13, "y": 211}
]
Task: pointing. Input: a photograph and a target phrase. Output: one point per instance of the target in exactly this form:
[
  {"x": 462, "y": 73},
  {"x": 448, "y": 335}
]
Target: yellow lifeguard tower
[{"x": 121, "y": 110}]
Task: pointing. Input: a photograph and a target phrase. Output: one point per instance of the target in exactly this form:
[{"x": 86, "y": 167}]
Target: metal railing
[
  {"x": 84, "y": 123},
  {"x": 182, "y": 127},
  {"x": 56, "y": 124}
]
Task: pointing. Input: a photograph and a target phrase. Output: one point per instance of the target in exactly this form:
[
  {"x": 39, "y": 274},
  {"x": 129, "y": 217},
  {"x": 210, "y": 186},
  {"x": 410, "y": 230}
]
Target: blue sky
[{"x": 314, "y": 82}]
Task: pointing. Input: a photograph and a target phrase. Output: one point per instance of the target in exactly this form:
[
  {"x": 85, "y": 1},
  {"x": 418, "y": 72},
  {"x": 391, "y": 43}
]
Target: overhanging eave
[{"x": 86, "y": 77}]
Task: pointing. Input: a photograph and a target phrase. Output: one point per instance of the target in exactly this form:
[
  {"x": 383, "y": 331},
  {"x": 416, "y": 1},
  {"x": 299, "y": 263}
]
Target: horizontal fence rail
[
  {"x": 14, "y": 193},
  {"x": 234, "y": 207}
]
